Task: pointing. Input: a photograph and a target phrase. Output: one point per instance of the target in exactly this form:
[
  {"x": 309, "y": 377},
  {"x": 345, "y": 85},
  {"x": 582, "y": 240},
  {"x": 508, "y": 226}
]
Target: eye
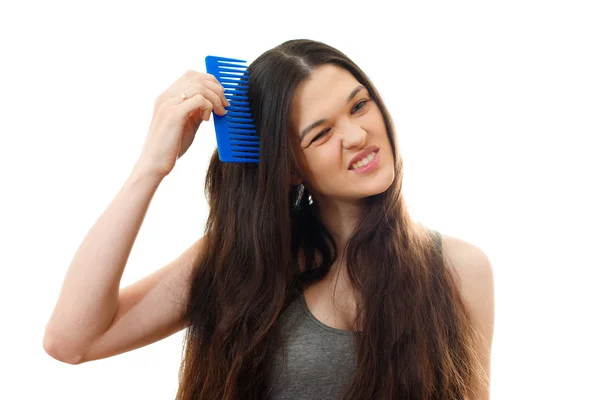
[
  {"x": 321, "y": 134},
  {"x": 360, "y": 105}
]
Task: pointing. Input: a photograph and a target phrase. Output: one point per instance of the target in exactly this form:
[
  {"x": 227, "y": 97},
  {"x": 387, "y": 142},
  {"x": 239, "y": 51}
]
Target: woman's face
[{"x": 335, "y": 120}]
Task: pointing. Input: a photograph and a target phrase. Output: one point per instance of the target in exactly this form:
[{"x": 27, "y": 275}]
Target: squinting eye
[{"x": 320, "y": 134}]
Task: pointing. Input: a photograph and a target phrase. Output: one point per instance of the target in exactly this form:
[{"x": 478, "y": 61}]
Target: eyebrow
[{"x": 319, "y": 122}]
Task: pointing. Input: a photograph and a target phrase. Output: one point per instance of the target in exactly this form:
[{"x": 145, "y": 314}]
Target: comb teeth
[{"x": 237, "y": 140}]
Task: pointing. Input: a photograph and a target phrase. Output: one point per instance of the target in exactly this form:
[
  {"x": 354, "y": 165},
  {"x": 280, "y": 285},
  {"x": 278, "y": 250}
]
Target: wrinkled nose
[{"x": 353, "y": 135}]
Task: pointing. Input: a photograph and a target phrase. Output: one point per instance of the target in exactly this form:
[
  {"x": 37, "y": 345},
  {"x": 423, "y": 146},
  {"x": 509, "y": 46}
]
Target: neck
[{"x": 340, "y": 218}]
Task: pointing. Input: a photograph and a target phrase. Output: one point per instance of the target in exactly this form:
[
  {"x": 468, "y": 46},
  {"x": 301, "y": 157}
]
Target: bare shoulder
[
  {"x": 475, "y": 276},
  {"x": 471, "y": 266}
]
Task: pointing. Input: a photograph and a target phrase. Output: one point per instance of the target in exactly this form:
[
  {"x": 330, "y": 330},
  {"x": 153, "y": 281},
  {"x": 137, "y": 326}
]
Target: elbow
[{"x": 61, "y": 352}]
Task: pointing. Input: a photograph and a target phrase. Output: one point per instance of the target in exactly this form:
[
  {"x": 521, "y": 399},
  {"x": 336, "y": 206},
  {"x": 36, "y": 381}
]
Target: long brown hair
[{"x": 414, "y": 338}]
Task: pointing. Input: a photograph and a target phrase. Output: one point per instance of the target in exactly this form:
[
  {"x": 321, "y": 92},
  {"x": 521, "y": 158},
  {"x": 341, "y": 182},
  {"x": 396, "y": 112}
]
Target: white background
[{"x": 497, "y": 108}]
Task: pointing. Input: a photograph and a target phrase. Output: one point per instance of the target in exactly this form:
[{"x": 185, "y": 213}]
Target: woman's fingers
[{"x": 209, "y": 93}]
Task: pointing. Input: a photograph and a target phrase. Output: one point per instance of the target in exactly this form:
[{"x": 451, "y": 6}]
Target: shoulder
[
  {"x": 470, "y": 264},
  {"x": 475, "y": 279},
  {"x": 474, "y": 273}
]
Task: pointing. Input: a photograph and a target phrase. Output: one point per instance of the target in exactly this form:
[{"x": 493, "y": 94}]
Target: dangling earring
[{"x": 298, "y": 198}]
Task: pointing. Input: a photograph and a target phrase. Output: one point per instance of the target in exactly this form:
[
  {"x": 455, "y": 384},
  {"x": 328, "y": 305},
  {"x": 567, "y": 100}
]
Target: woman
[{"x": 311, "y": 281}]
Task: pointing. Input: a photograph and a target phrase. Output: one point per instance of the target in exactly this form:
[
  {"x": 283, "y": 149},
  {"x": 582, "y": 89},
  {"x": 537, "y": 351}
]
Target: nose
[{"x": 353, "y": 135}]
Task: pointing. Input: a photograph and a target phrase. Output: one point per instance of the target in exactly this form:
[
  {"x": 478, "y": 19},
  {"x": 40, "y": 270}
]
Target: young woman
[{"x": 311, "y": 281}]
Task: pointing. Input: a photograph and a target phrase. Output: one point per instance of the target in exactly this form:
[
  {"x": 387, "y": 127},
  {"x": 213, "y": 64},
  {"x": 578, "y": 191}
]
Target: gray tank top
[{"x": 319, "y": 359}]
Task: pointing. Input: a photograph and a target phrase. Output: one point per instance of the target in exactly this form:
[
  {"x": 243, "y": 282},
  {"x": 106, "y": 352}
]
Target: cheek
[
  {"x": 376, "y": 122},
  {"x": 316, "y": 163},
  {"x": 321, "y": 164}
]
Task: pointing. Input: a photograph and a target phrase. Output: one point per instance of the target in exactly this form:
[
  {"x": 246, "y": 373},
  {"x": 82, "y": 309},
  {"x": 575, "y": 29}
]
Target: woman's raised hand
[{"x": 176, "y": 119}]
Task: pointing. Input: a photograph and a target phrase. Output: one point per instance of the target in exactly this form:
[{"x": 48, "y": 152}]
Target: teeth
[{"x": 364, "y": 161}]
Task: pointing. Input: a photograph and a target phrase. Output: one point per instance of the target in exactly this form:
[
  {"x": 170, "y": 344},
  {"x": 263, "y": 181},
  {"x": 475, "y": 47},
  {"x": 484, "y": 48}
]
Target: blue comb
[{"x": 237, "y": 140}]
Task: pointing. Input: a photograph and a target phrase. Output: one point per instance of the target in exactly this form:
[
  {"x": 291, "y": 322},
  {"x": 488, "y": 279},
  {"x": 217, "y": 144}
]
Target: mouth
[{"x": 364, "y": 158}]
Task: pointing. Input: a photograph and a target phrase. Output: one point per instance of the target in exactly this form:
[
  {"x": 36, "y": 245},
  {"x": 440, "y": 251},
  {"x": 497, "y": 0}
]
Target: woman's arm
[{"x": 89, "y": 297}]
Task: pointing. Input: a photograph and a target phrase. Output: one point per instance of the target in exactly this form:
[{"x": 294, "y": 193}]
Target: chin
[
  {"x": 377, "y": 186},
  {"x": 382, "y": 181},
  {"x": 379, "y": 190}
]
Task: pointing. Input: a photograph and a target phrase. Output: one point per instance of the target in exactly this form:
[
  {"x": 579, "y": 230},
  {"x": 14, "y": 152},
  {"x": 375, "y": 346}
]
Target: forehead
[{"x": 322, "y": 92}]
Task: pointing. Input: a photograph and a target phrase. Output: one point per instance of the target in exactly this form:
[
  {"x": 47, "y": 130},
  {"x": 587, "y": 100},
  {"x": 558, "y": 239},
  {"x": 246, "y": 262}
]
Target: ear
[{"x": 296, "y": 180}]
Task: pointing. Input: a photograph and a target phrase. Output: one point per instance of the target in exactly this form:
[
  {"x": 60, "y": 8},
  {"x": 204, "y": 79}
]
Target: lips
[{"x": 362, "y": 155}]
